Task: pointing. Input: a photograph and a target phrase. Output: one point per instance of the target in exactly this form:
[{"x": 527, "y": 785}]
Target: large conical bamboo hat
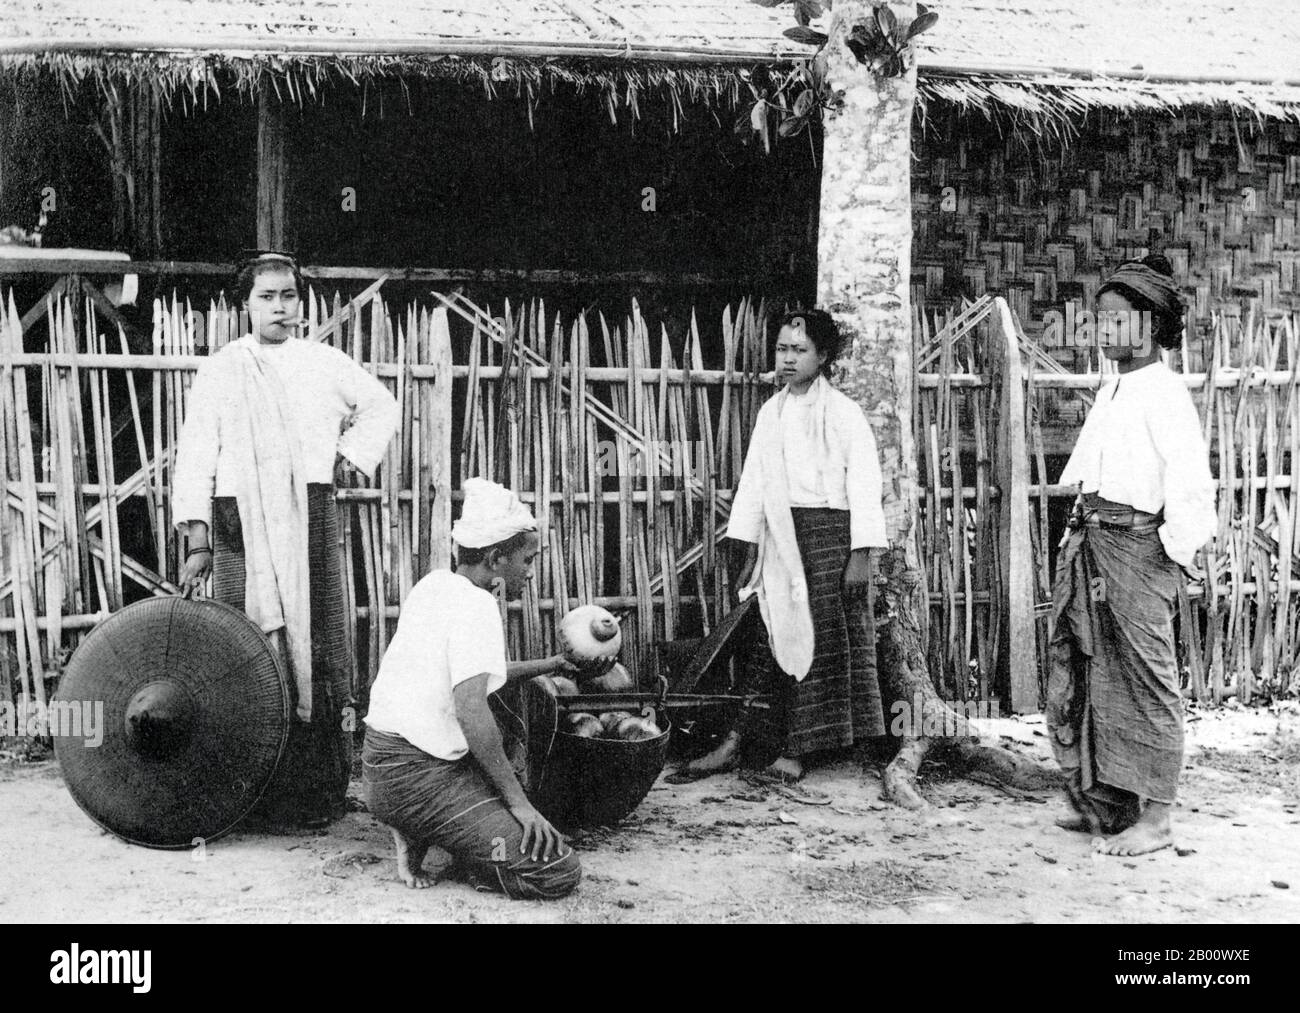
[{"x": 195, "y": 716}]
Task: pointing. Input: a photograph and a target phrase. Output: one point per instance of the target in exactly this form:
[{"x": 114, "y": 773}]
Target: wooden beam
[
  {"x": 38, "y": 310},
  {"x": 272, "y": 171},
  {"x": 422, "y": 371},
  {"x": 778, "y": 51},
  {"x": 534, "y": 276},
  {"x": 1226, "y": 376}
]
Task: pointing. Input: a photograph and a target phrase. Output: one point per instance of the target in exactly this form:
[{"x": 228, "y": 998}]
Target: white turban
[{"x": 491, "y": 513}]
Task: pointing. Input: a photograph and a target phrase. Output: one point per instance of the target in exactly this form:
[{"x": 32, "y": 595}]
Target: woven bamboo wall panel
[{"x": 1042, "y": 223}]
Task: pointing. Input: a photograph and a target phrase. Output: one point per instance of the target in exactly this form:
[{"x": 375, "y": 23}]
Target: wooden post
[
  {"x": 439, "y": 519},
  {"x": 271, "y": 171},
  {"x": 131, "y": 130},
  {"x": 1015, "y": 552},
  {"x": 15, "y": 124},
  {"x": 146, "y": 162}
]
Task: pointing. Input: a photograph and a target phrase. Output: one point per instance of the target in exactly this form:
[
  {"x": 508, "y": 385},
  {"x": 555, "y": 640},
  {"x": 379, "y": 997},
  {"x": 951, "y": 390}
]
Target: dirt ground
[{"x": 725, "y": 850}]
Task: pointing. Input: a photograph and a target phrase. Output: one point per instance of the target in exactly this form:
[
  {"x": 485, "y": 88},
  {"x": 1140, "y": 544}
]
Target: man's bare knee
[
  {"x": 556, "y": 880},
  {"x": 569, "y": 875}
]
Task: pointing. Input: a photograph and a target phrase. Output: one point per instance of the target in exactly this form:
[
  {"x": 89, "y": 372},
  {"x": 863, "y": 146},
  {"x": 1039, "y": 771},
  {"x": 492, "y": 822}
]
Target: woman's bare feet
[
  {"x": 1150, "y": 833},
  {"x": 1074, "y": 822},
  {"x": 788, "y": 768},
  {"x": 1079, "y": 818},
  {"x": 722, "y": 759},
  {"x": 410, "y": 858}
]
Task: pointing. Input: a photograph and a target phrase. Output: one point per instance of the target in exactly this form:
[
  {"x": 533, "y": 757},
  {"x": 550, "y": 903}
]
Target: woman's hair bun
[{"x": 1159, "y": 262}]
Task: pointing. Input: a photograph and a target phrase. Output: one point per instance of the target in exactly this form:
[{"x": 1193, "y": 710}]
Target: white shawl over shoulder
[
  {"x": 272, "y": 503},
  {"x": 845, "y": 448}
]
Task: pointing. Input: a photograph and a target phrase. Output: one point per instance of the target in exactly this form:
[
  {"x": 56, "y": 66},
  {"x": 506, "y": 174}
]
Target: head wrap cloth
[
  {"x": 490, "y": 514},
  {"x": 1158, "y": 289}
]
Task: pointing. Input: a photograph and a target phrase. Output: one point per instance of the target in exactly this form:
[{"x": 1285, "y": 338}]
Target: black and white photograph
[{"x": 651, "y": 461}]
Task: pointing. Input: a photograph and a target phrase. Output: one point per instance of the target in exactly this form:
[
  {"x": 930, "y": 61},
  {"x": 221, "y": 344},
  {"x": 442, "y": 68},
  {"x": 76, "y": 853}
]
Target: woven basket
[
  {"x": 596, "y": 782},
  {"x": 580, "y": 782}
]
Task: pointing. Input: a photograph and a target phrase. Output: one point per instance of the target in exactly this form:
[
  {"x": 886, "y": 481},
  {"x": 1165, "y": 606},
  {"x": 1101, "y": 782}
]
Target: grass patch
[{"x": 884, "y": 883}]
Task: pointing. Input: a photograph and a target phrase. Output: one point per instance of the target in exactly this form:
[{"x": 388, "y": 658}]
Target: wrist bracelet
[{"x": 198, "y": 548}]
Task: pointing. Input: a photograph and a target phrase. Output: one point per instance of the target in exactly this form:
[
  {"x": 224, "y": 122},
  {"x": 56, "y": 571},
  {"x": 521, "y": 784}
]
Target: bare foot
[
  {"x": 410, "y": 858},
  {"x": 1150, "y": 833},
  {"x": 788, "y": 768},
  {"x": 721, "y": 759},
  {"x": 1073, "y": 822},
  {"x": 1080, "y": 821}
]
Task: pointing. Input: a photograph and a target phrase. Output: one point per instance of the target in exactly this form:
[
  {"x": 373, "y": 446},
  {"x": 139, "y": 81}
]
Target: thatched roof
[
  {"x": 1163, "y": 40},
  {"x": 1049, "y": 61},
  {"x": 691, "y": 30},
  {"x": 1060, "y": 57}
]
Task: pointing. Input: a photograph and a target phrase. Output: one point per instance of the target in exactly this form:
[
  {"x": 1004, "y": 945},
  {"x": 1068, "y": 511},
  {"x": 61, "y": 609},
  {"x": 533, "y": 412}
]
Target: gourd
[
  {"x": 563, "y": 686},
  {"x": 633, "y": 729},
  {"x": 585, "y": 726},
  {"x": 610, "y": 719},
  {"x": 589, "y": 636},
  {"x": 617, "y": 680}
]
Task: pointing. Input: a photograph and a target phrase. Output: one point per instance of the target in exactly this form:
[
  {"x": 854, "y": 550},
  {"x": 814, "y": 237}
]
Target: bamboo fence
[
  {"x": 959, "y": 536},
  {"x": 1239, "y": 626},
  {"x": 627, "y": 447}
]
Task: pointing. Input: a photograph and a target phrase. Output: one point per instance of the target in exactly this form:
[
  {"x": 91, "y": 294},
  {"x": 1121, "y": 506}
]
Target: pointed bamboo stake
[
  {"x": 440, "y": 440},
  {"x": 25, "y": 599}
]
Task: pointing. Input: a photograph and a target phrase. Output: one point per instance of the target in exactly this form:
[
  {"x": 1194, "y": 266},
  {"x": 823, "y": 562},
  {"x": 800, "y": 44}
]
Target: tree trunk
[{"x": 864, "y": 271}]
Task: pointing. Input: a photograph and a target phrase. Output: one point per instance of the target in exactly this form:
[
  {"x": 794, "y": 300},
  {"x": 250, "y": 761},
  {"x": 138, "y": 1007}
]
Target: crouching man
[{"x": 434, "y": 768}]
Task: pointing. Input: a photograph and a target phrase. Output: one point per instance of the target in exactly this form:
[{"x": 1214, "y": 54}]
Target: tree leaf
[
  {"x": 806, "y": 10},
  {"x": 792, "y": 126},
  {"x": 818, "y": 68},
  {"x": 805, "y": 102},
  {"x": 875, "y": 46},
  {"x": 885, "y": 19},
  {"x": 922, "y": 24},
  {"x": 807, "y": 35},
  {"x": 758, "y": 115}
]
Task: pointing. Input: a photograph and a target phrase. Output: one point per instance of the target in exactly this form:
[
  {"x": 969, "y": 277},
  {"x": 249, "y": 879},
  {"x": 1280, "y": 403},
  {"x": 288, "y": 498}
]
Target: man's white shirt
[{"x": 449, "y": 632}]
